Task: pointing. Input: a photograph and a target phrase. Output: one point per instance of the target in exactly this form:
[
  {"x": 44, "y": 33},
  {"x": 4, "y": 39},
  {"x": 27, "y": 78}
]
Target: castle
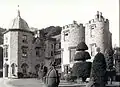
[{"x": 25, "y": 50}]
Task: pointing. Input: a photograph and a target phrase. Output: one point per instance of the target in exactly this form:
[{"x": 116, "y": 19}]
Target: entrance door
[
  {"x": 13, "y": 66},
  {"x": 6, "y": 70}
]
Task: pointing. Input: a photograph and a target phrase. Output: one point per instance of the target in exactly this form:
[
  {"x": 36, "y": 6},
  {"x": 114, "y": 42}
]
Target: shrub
[
  {"x": 81, "y": 46},
  {"x": 82, "y": 55},
  {"x": 99, "y": 69},
  {"x": 81, "y": 69},
  {"x": 20, "y": 75},
  {"x": 109, "y": 58}
]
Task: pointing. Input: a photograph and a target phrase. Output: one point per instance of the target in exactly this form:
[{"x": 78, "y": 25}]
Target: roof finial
[{"x": 18, "y": 11}]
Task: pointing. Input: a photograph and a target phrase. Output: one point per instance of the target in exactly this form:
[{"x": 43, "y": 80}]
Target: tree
[
  {"x": 109, "y": 58},
  {"x": 98, "y": 71}
]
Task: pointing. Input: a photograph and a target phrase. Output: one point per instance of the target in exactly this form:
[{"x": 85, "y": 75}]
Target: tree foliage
[
  {"x": 82, "y": 56},
  {"x": 98, "y": 71},
  {"x": 81, "y": 69},
  {"x": 81, "y": 46},
  {"x": 52, "y": 31}
]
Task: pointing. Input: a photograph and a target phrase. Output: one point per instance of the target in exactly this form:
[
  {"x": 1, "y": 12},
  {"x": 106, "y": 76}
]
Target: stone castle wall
[
  {"x": 97, "y": 32},
  {"x": 71, "y": 36},
  {"x": 28, "y": 60},
  {"x": 12, "y": 44}
]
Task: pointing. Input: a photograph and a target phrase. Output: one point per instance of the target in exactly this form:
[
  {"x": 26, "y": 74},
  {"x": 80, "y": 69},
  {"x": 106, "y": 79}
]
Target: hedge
[
  {"x": 82, "y": 55},
  {"x": 81, "y": 46},
  {"x": 98, "y": 71},
  {"x": 81, "y": 69}
]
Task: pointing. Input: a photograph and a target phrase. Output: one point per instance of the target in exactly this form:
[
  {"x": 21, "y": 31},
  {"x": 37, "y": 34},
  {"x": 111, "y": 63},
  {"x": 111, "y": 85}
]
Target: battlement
[
  {"x": 98, "y": 18},
  {"x": 73, "y": 25}
]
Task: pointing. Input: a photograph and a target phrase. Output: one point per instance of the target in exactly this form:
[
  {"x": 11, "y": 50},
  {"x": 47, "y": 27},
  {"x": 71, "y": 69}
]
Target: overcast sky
[{"x": 44, "y": 13}]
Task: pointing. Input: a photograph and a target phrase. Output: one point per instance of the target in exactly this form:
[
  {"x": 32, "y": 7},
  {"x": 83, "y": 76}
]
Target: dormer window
[{"x": 24, "y": 37}]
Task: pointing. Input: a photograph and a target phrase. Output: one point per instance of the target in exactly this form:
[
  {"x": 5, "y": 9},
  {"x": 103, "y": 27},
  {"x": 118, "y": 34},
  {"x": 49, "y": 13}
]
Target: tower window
[
  {"x": 52, "y": 46},
  {"x": 24, "y": 38},
  {"x": 5, "y": 51},
  {"x": 92, "y": 49},
  {"x": 72, "y": 54},
  {"x": 93, "y": 26},
  {"x": 92, "y": 34},
  {"x": 24, "y": 51},
  {"x": 65, "y": 36},
  {"x": 51, "y": 53},
  {"x": 59, "y": 45},
  {"x": 37, "y": 51},
  {"x": 6, "y": 39}
]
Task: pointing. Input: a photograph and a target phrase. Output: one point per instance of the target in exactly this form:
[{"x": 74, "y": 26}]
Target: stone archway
[
  {"x": 13, "y": 66},
  {"x": 24, "y": 67}
]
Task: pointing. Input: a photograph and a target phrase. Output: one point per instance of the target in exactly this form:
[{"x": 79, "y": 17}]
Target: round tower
[
  {"x": 97, "y": 34},
  {"x": 71, "y": 36}
]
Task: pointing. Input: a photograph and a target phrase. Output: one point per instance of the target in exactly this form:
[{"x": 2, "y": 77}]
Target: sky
[{"x": 44, "y": 13}]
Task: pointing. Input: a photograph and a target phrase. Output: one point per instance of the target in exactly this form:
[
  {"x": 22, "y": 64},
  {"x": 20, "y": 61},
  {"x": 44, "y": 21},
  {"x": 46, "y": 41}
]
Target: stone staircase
[{"x": 71, "y": 84}]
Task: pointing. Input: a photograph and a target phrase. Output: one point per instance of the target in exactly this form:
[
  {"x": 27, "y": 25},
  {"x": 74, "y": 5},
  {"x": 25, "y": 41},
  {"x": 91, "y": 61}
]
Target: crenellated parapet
[
  {"x": 71, "y": 36},
  {"x": 73, "y": 25},
  {"x": 99, "y": 18}
]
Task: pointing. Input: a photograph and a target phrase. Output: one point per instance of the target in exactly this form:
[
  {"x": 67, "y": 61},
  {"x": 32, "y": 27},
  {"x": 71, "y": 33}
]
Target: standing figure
[{"x": 52, "y": 77}]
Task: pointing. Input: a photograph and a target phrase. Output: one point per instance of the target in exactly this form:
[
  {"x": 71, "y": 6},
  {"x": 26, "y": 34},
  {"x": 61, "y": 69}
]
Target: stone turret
[
  {"x": 17, "y": 45},
  {"x": 71, "y": 36},
  {"x": 97, "y": 34}
]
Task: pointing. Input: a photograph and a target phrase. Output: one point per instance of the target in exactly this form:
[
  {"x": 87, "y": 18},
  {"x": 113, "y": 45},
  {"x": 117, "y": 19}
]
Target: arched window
[
  {"x": 24, "y": 67},
  {"x": 13, "y": 65}
]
